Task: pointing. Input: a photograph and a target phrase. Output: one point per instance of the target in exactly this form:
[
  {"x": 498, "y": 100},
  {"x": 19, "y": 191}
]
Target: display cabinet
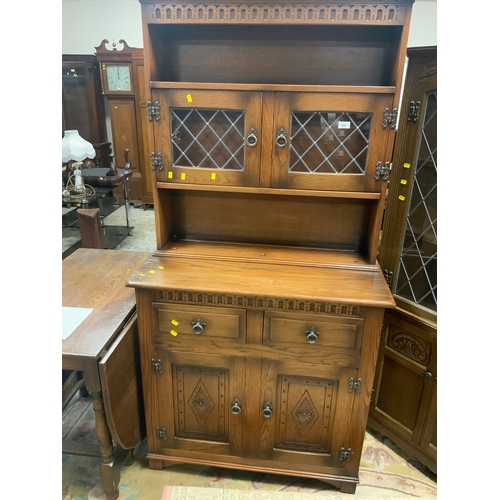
[
  {"x": 82, "y": 102},
  {"x": 271, "y": 131},
  {"x": 404, "y": 403}
]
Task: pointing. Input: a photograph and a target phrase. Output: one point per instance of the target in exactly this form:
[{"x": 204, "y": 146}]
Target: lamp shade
[{"x": 75, "y": 148}]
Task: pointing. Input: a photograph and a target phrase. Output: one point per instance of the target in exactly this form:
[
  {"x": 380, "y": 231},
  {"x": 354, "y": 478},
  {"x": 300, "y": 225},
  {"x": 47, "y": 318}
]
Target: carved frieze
[
  {"x": 275, "y": 14},
  {"x": 256, "y": 302}
]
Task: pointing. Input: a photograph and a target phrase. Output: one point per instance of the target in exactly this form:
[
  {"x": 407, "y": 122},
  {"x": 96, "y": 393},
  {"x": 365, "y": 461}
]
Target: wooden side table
[{"x": 104, "y": 348}]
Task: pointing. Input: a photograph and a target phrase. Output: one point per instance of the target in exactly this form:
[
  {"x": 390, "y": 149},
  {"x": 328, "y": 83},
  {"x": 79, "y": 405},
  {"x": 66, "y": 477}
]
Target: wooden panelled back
[
  {"x": 267, "y": 219},
  {"x": 255, "y": 54}
]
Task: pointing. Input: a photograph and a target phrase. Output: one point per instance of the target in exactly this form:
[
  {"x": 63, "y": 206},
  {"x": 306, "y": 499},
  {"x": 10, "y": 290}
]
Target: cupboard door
[
  {"x": 428, "y": 442},
  {"x": 209, "y": 137},
  {"x": 200, "y": 401},
  {"x": 329, "y": 141},
  {"x": 405, "y": 377},
  {"x": 307, "y": 411}
]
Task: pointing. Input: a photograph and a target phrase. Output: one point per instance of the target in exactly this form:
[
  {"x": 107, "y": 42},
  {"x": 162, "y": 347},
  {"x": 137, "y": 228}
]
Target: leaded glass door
[
  {"x": 208, "y": 137},
  {"x": 404, "y": 400},
  {"x": 408, "y": 252},
  {"x": 329, "y": 141},
  {"x": 416, "y": 279}
]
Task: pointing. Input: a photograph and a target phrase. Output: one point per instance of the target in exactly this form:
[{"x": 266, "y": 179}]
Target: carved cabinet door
[
  {"x": 330, "y": 141},
  {"x": 208, "y": 137},
  {"x": 199, "y": 403},
  {"x": 406, "y": 380},
  {"x": 305, "y": 409}
]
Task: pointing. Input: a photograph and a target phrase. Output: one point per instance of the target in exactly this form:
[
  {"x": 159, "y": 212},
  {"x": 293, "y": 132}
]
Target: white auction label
[{"x": 344, "y": 125}]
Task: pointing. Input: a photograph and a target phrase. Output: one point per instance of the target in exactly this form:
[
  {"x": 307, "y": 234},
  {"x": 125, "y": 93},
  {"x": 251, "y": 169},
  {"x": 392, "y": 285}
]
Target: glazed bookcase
[{"x": 271, "y": 132}]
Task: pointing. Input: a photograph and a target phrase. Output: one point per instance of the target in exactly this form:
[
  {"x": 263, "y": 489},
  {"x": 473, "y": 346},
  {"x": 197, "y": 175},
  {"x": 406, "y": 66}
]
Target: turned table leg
[{"x": 109, "y": 474}]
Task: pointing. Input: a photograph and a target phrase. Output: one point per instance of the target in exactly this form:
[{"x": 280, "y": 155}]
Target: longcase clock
[{"x": 122, "y": 77}]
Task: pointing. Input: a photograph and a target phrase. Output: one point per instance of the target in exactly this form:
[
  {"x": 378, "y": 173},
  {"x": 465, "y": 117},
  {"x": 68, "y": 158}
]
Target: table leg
[
  {"x": 127, "y": 202},
  {"x": 108, "y": 471},
  {"x": 101, "y": 211}
]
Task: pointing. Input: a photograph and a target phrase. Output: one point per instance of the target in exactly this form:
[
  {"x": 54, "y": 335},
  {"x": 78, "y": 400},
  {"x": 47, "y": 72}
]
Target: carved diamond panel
[
  {"x": 201, "y": 403},
  {"x": 305, "y": 409},
  {"x": 304, "y": 414}
]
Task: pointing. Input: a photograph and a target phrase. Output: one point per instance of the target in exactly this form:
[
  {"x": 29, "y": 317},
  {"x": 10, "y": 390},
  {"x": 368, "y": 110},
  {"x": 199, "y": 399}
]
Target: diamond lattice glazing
[
  {"x": 417, "y": 276},
  {"x": 329, "y": 142},
  {"x": 207, "y": 138}
]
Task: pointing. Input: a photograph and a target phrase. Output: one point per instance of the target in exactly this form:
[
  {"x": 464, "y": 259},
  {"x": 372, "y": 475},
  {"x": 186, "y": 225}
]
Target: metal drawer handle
[
  {"x": 281, "y": 138},
  {"x": 198, "y": 325},
  {"x": 267, "y": 410},
  {"x": 236, "y": 407},
  {"x": 251, "y": 140},
  {"x": 311, "y": 335}
]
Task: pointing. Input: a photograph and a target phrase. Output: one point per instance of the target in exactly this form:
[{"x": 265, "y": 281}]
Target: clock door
[
  {"x": 208, "y": 137},
  {"x": 329, "y": 141}
]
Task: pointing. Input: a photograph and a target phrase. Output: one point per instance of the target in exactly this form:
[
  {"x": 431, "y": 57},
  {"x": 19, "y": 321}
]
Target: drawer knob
[
  {"x": 236, "y": 407},
  {"x": 198, "y": 326},
  {"x": 267, "y": 410},
  {"x": 251, "y": 140},
  {"x": 311, "y": 335}
]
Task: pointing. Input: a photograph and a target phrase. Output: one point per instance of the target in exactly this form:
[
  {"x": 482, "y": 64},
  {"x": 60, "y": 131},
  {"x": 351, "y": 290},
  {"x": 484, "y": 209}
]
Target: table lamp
[{"x": 74, "y": 151}]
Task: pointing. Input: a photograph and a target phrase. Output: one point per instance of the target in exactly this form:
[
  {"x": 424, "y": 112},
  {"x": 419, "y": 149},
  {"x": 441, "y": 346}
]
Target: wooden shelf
[
  {"x": 267, "y": 191},
  {"x": 244, "y": 252},
  {"x": 274, "y": 87}
]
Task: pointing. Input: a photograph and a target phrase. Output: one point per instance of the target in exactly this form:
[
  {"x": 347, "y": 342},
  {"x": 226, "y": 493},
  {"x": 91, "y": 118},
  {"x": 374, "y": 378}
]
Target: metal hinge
[
  {"x": 156, "y": 161},
  {"x": 153, "y": 111},
  {"x": 372, "y": 395},
  {"x": 388, "y": 276},
  {"x": 414, "y": 111},
  {"x": 161, "y": 433},
  {"x": 157, "y": 366},
  {"x": 390, "y": 119},
  {"x": 382, "y": 170},
  {"x": 345, "y": 454},
  {"x": 354, "y": 385}
]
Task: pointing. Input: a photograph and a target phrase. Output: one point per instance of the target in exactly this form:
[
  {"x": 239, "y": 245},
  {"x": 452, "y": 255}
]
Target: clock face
[{"x": 118, "y": 78}]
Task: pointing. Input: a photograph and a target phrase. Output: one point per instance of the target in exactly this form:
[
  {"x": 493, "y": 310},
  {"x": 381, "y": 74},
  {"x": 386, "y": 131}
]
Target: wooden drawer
[
  {"x": 185, "y": 322},
  {"x": 282, "y": 328}
]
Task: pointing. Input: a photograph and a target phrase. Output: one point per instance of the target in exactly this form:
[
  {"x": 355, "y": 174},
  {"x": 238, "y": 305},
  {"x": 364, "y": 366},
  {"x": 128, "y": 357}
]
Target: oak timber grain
[
  {"x": 314, "y": 55},
  {"x": 277, "y": 220},
  {"x": 248, "y": 279}
]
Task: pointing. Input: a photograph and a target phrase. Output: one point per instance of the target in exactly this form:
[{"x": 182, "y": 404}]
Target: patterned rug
[{"x": 386, "y": 472}]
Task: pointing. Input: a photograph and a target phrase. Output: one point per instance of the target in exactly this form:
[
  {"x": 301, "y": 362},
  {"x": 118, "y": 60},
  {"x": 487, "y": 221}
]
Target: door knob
[
  {"x": 267, "y": 410},
  {"x": 236, "y": 407},
  {"x": 251, "y": 138},
  {"x": 281, "y": 138}
]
